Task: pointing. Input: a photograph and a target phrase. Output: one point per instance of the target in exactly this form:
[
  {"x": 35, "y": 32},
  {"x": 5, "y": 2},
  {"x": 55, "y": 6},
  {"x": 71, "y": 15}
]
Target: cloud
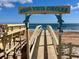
[
  {"x": 75, "y": 7},
  {"x": 25, "y": 1},
  {"x": 6, "y": 3},
  {"x": 22, "y": 1},
  {"x": 9, "y": 3},
  {"x": 28, "y": 0}
]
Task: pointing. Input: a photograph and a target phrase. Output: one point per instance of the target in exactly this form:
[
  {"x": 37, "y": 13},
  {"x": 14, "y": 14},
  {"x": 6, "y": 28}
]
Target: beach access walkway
[
  {"x": 46, "y": 48},
  {"x": 41, "y": 45}
]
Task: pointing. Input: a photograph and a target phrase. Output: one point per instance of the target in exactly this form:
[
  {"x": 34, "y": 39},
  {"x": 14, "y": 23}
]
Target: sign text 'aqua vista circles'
[{"x": 45, "y": 10}]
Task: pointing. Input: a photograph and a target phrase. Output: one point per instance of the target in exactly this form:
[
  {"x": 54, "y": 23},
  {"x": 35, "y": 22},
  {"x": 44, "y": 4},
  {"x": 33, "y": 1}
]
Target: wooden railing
[
  {"x": 34, "y": 39},
  {"x": 9, "y": 38},
  {"x": 11, "y": 27},
  {"x": 66, "y": 49},
  {"x": 54, "y": 38},
  {"x": 71, "y": 49},
  {"x": 53, "y": 35}
]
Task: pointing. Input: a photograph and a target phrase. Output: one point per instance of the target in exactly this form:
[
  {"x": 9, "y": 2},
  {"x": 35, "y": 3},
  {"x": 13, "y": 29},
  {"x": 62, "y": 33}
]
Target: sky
[{"x": 9, "y": 11}]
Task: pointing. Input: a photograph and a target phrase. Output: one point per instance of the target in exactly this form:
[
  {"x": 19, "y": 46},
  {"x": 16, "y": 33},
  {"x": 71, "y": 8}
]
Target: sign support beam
[
  {"x": 26, "y": 21},
  {"x": 60, "y": 21}
]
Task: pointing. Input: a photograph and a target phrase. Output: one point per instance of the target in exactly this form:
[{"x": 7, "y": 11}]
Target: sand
[{"x": 70, "y": 37}]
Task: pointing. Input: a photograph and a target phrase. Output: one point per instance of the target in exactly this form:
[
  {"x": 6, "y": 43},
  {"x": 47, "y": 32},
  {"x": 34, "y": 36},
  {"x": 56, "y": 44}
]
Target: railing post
[
  {"x": 60, "y": 21},
  {"x": 28, "y": 47},
  {"x": 10, "y": 38},
  {"x": 14, "y": 55},
  {"x": 20, "y": 39},
  {"x": 5, "y": 41},
  {"x": 26, "y": 21},
  {"x": 20, "y": 42},
  {"x": 70, "y": 51},
  {"x": 4, "y": 49},
  {"x": 4, "y": 45}
]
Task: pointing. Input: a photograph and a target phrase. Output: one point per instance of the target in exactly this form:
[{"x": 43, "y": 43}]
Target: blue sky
[{"x": 9, "y": 11}]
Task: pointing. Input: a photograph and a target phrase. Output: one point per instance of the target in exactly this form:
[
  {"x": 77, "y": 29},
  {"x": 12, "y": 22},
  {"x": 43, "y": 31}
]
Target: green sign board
[{"x": 45, "y": 10}]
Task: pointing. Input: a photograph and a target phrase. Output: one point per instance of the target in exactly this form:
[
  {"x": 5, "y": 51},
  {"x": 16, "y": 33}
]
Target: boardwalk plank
[
  {"x": 50, "y": 47},
  {"x": 41, "y": 47}
]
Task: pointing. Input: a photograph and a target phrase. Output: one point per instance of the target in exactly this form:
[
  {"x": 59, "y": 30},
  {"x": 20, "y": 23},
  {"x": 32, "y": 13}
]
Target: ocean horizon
[{"x": 66, "y": 26}]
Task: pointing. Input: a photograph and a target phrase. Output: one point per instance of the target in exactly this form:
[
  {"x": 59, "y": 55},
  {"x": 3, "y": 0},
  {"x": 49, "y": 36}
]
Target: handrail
[
  {"x": 34, "y": 38},
  {"x": 12, "y": 34},
  {"x": 53, "y": 35},
  {"x": 15, "y": 31},
  {"x": 13, "y": 25},
  {"x": 7, "y": 52},
  {"x": 35, "y": 34}
]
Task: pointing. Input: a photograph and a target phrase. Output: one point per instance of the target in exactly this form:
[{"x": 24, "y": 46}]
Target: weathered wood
[
  {"x": 10, "y": 37},
  {"x": 34, "y": 38},
  {"x": 4, "y": 42},
  {"x": 70, "y": 55},
  {"x": 53, "y": 35},
  {"x": 11, "y": 49},
  {"x": 23, "y": 52},
  {"x": 70, "y": 51},
  {"x": 76, "y": 56}
]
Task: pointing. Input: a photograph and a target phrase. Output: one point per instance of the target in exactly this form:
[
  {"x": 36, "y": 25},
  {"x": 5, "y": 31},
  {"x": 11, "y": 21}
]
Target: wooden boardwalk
[
  {"x": 41, "y": 45},
  {"x": 45, "y": 47}
]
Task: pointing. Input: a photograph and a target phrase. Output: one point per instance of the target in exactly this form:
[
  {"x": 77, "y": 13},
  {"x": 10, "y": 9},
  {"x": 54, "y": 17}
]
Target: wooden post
[
  {"x": 10, "y": 38},
  {"x": 20, "y": 39},
  {"x": 26, "y": 21},
  {"x": 60, "y": 21},
  {"x": 4, "y": 45},
  {"x": 4, "y": 48},
  {"x": 20, "y": 42},
  {"x": 59, "y": 48},
  {"x": 70, "y": 51},
  {"x": 27, "y": 38},
  {"x": 5, "y": 41},
  {"x": 14, "y": 55}
]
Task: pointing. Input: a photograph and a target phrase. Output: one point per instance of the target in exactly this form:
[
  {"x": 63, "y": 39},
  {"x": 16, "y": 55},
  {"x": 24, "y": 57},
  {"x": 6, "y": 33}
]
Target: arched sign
[{"x": 45, "y": 9}]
